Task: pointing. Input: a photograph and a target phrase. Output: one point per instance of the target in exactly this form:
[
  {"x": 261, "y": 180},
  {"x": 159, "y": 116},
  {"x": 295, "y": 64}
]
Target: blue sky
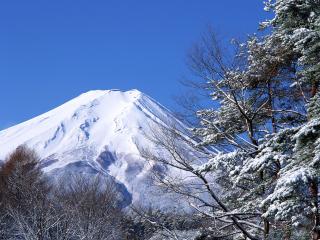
[{"x": 51, "y": 51}]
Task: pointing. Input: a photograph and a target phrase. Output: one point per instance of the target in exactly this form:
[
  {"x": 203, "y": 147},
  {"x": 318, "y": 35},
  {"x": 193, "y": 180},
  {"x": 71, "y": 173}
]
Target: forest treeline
[{"x": 254, "y": 168}]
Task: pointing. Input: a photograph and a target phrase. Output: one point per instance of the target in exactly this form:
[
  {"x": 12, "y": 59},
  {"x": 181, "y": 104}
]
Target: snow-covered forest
[{"x": 251, "y": 157}]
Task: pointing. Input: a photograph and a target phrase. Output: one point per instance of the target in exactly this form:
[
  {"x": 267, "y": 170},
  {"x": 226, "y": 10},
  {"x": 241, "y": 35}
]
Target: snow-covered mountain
[{"x": 96, "y": 132}]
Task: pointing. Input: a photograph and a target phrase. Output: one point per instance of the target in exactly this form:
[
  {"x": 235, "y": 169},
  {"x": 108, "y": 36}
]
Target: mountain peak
[
  {"x": 96, "y": 132},
  {"x": 107, "y": 91},
  {"x": 130, "y": 95},
  {"x": 97, "y": 109}
]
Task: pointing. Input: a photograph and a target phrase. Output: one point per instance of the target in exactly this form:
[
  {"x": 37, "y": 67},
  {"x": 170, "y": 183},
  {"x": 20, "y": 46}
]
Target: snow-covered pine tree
[
  {"x": 271, "y": 73},
  {"x": 253, "y": 96},
  {"x": 265, "y": 90},
  {"x": 286, "y": 197},
  {"x": 235, "y": 117},
  {"x": 267, "y": 183},
  {"x": 297, "y": 22},
  {"x": 290, "y": 163}
]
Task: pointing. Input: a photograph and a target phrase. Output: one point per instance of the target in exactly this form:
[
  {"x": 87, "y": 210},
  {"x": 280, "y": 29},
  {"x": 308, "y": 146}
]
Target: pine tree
[
  {"x": 297, "y": 22},
  {"x": 268, "y": 88},
  {"x": 253, "y": 96},
  {"x": 290, "y": 164}
]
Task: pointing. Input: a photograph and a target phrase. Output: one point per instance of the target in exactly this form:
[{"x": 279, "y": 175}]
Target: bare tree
[
  {"x": 33, "y": 209},
  {"x": 90, "y": 208},
  {"x": 183, "y": 156},
  {"x": 168, "y": 224},
  {"x": 24, "y": 197}
]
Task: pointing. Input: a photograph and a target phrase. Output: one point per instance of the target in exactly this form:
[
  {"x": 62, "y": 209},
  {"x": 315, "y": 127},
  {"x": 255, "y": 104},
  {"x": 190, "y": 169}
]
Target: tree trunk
[
  {"x": 270, "y": 100},
  {"x": 251, "y": 133},
  {"x": 316, "y": 217},
  {"x": 266, "y": 226},
  {"x": 314, "y": 88}
]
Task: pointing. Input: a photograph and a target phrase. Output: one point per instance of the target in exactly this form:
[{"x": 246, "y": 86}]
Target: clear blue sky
[{"x": 51, "y": 51}]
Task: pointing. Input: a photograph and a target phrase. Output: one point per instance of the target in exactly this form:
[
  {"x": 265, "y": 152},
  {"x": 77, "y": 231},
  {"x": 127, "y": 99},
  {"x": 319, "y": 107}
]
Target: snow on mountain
[{"x": 96, "y": 132}]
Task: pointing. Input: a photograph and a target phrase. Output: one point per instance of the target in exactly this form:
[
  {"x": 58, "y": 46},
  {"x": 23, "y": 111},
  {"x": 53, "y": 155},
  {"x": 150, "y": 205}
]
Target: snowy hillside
[{"x": 97, "y": 132}]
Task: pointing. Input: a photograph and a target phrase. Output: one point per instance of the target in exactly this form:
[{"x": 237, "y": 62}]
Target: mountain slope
[{"x": 95, "y": 133}]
